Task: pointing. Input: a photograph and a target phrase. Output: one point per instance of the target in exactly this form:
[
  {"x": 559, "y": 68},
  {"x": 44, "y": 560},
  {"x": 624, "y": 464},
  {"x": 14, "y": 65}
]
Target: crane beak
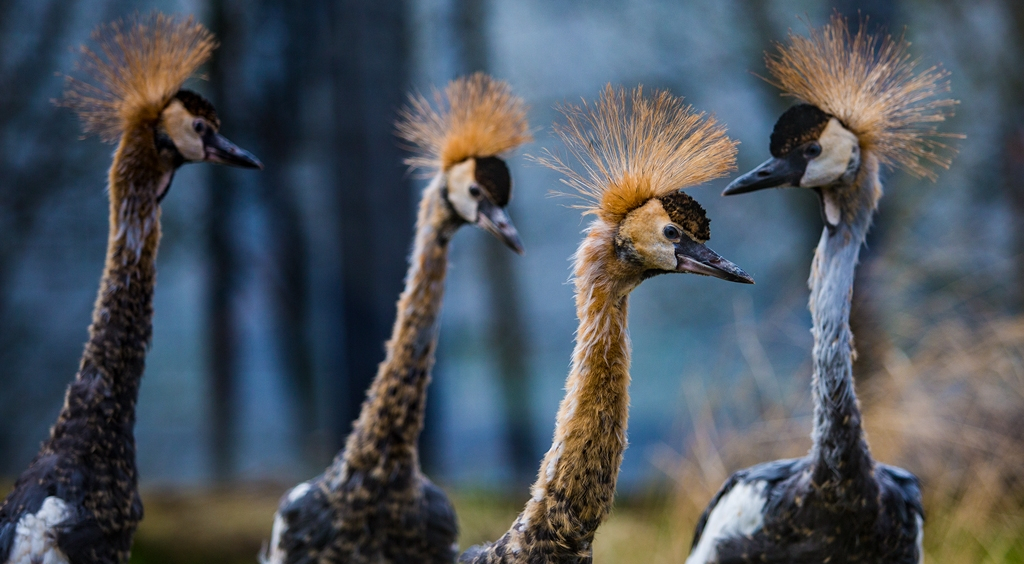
[
  {"x": 694, "y": 257},
  {"x": 219, "y": 150},
  {"x": 773, "y": 173},
  {"x": 494, "y": 219}
]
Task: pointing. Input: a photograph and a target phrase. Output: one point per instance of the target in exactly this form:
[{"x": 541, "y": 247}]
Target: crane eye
[
  {"x": 812, "y": 150},
  {"x": 199, "y": 125},
  {"x": 671, "y": 232},
  {"x": 474, "y": 190}
]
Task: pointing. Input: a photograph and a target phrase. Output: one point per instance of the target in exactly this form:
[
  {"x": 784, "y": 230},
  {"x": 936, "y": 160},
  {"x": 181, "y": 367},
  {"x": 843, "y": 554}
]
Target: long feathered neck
[
  {"x": 107, "y": 384},
  {"x": 392, "y": 415},
  {"x": 576, "y": 482},
  {"x": 840, "y": 451}
]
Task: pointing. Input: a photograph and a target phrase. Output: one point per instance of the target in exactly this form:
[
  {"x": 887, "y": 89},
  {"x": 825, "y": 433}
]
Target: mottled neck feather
[
  {"x": 392, "y": 415},
  {"x": 840, "y": 450},
  {"x": 576, "y": 482},
  {"x": 106, "y": 387}
]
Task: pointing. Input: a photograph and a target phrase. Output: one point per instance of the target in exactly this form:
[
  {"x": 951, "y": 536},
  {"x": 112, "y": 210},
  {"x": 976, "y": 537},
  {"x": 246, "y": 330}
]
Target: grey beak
[
  {"x": 496, "y": 221},
  {"x": 220, "y": 150},
  {"x": 773, "y": 173},
  {"x": 694, "y": 257}
]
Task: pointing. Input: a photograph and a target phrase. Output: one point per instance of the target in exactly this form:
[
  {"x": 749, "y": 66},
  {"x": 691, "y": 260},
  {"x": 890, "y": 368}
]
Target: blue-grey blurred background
[{"x": 276, "y": 288}]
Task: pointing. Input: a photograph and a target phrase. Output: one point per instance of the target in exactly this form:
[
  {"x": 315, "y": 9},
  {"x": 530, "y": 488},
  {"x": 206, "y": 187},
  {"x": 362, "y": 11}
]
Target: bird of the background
[
  {"x": 373, "y": 504},
  {"x": 863, "y": 106},
  {"x": 636, "y": 153},
  {"x": 78, "y": 501}
]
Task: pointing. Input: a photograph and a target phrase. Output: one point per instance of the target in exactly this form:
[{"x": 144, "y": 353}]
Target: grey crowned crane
[
  {"x": 373, "y": 504},
  {"x": 863, "y": 106},
  {"x": 78, "y": 501},
  {"x": 637, "y": 153}
]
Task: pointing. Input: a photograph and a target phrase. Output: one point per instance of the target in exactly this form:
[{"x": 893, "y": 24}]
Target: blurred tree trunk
[
  {"x": 222, "y": 253},
  {"x": 1013, "y": 145},
  {"x": 1003, "y": 69},
  {"x": 1013, "y": 184},
  {"x": 369, "y": 47},
  {"x": 276, "y": 137},
  {"x": 28, "y": 180},
  {"x": 507, "y": 332},
  {"x": 274, "y": 95}
]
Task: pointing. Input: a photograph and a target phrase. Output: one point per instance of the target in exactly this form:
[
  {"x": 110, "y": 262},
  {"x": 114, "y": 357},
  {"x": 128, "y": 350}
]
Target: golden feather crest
[
  {"x": 632, "y": 148},
  {"x": 137, "y": 66},
  {"x": 872, "y": 85},
  {"x": 476, "y": 116}
]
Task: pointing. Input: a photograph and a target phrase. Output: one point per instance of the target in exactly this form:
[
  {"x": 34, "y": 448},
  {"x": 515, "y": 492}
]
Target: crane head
[
  {"x": 188, "y": 131},
  {"x": 636, "y": 153},
  {"x": 479, "y": 189},
  {"x": 810, "y": 149},
  {"x": 667, "y": 234}
]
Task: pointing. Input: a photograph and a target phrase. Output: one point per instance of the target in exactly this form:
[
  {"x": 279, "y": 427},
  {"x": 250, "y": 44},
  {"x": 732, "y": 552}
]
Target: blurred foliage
[{"x": 951, "y": 412}]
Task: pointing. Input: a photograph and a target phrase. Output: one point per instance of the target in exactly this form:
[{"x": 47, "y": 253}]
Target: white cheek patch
[
  {"x": 738, "y": 513},
  {"x": 837, "y": 145},
  {"x": 35, "y": 541},
  {"x": 177, "y": 122},
  {"x": 644, "y": 228},
  {"x": 460, "y": 178}
]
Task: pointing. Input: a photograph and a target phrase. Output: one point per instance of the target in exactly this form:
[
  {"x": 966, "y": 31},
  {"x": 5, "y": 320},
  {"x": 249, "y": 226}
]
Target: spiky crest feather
[
  {"x": 476, "y": 116},
  {"x": 870, "y": 83},
  {"x": 632, "y": 148},
  {"x": 138, "y": 66}
]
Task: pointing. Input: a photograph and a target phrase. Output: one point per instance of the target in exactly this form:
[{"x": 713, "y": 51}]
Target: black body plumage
[
  {"x": 88, "y": 463},
  {"x": 803, "y": 525},
  {"x": 316, "y": 530}
]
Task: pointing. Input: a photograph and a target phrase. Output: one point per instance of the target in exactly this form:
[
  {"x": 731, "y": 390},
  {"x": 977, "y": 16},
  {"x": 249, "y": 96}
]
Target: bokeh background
[{"x": 276, "y": 289}]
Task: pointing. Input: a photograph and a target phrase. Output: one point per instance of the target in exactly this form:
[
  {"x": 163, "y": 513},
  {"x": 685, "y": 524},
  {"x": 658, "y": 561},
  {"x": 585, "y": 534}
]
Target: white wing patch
[
  {"x": 920, "y": 538},
  {"x": 277, "y": 554},
  {"x": 738, "y": 513},
  {"x": 34, "y": 539},
  {"x": 298, "y": 491}
]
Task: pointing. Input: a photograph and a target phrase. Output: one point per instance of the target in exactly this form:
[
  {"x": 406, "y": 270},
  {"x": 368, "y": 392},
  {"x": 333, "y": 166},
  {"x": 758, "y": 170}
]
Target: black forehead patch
[
  {"x": 688, "y": 214},
  {"x": 492, "y": 175},
  {"x": 198, "y": 106},
  {"x": 798, "y": 125}
]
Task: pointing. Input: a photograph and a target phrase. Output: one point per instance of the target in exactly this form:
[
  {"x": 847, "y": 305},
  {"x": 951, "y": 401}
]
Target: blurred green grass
[
  {"x": 229, "y": 526},
  {"x": 950, "y": 410}
]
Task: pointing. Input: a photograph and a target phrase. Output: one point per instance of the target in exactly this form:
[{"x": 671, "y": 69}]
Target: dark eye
[
  {"x": 671, "y": 232},
  {"x": 474, "y": 190},
  {"x": 199, "y": 126},
  {"x": 812, "y": 150}
]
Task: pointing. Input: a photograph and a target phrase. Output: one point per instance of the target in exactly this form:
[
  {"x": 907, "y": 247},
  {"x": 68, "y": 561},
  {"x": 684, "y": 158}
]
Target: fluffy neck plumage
[
  {"x": 576, "y": 483},
  {"x": 106, "y": 388},
  {"x": 840, "y": 451},
  {"x": 392, "y": 415}
]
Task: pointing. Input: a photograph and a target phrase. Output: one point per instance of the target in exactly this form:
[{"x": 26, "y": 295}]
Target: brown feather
[
  {"x": 476, "y": 116},
  {"x": 870, "y": 83},
  {"x": 136, "y": 68},
  {"x": 632, "y": 148}
]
